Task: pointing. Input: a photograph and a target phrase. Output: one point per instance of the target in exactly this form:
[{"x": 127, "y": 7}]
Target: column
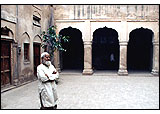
[
  {"x": 87, "y": 58},
  {"x": 15, "y": 63},
  {"x": 123, "y": 58},
  {"x": 57, "y": 60},
  {"x": 155, "y": 67}
]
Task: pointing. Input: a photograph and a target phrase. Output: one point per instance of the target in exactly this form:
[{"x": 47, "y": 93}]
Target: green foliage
[{"x": 53, "y": 40}]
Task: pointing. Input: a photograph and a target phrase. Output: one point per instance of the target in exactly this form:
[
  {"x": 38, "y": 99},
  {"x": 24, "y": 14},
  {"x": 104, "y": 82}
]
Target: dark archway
[
  {"x": 105, "y": 49},
  {"x": 140, "y": 50},
  {"x": 73, "y": 58}
]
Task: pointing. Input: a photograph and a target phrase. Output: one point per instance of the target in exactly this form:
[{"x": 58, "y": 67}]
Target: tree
[{"x": 52, "y": 40}]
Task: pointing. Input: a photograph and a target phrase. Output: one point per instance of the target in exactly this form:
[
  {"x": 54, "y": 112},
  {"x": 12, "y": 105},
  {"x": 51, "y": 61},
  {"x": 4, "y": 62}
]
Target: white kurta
[{"x": 46, "y": 87}]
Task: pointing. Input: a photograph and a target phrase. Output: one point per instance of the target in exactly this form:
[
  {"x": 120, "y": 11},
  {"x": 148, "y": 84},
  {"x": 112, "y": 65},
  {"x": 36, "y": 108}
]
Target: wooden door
[
  {"x": 5, "y": 63},
  {"x": 36, "y": 56}
]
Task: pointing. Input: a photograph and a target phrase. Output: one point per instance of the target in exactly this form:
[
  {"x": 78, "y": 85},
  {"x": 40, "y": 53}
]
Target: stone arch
[
  {"x": 25, "y": 38},
  {"x": 153, "y": 26},
  {"x": 37, "y": 39},
  {"x": 140, "y": 50},
  {"x": 113, "y": 25},
  {"x": 7, "y": 32},
  {"x": 79, "y": 26},
  {"x": 105, "y": 49},
  {"x": 73, "y": 58}
]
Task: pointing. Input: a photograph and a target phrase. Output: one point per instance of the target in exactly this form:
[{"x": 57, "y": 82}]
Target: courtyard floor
[{"x": 99, "y": 91}]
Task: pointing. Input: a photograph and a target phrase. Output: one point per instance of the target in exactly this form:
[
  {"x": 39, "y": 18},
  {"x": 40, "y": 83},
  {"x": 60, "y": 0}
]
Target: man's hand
[
  {"x": 47, "y": 76},
  {"x": 54, "y": 72}
]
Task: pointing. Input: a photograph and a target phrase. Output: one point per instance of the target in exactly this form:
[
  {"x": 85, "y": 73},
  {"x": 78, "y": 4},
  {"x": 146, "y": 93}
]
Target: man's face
[
  {"x": 46, "y": 60},
  {"x": 47, "y": 57}
]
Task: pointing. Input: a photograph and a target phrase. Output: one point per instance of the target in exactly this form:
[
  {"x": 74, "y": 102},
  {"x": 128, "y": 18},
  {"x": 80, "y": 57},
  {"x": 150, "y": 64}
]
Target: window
[
  {"x": 26, "y": 52},
  {"x": 36, "y": 20}
]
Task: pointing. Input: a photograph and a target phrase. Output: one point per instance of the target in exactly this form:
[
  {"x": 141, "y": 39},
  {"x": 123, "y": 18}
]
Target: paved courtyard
[{"x": 91, "y": 92}]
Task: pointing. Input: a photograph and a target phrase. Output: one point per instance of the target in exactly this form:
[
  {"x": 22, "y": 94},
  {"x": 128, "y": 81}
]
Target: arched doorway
[
  {"x": 36, "y": 52},
  {"x": 140, "y": 50},
  {"x": 73, "y": 58},
  {"x": 6, "y": 55},
  {"x": 105, "y": 49}
]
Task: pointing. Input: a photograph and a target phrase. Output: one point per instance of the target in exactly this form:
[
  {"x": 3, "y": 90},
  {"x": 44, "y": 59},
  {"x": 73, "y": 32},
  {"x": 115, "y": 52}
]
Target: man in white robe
[{"x": 47, "y": 74}]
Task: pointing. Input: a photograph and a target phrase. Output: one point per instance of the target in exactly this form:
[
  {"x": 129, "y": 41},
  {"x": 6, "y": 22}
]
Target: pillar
[
  {"x": 123, "y": 58},
  {"x": 57, "y": 60},
  {"x": 15, "y": 63},
  {"x": 155, "y": 67},
  {"x": 87, "y": 58}
]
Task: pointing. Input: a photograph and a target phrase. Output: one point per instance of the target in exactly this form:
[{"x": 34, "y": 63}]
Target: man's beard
[{"x": 46, "y": 62}]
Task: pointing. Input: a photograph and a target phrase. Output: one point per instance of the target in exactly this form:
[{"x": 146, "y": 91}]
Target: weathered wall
[
  {"x": 110, "y": 16},
  {"x": 122, "y": 18},
  {"x": 19, "y": 19},
  {"x": 131, "y": 12}
]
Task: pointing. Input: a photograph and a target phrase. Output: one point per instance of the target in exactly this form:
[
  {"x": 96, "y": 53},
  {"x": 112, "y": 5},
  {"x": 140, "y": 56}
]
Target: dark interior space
[
  {"x": 105, "y": 49},
  {"x": 73, "y": 58},
  {"x": 36, "y": 50},
  {"x": 140, "y": 50}
]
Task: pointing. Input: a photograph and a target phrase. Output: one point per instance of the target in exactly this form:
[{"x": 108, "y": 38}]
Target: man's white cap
[{"x": 44, "y": 53}]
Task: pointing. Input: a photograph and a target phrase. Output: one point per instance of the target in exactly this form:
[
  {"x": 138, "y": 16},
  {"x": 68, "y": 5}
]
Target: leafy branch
[{"x": 53, "y": 40}]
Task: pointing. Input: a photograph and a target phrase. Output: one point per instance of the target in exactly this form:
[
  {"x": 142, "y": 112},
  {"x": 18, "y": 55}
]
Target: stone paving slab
[{"x": 91, "y": 92}]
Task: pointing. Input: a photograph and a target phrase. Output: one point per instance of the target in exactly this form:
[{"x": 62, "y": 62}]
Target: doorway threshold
[
  {"x": 140, "y": 73},
  {"x": 71, "y": 72},
  {"x": 105, "y": 73}
]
